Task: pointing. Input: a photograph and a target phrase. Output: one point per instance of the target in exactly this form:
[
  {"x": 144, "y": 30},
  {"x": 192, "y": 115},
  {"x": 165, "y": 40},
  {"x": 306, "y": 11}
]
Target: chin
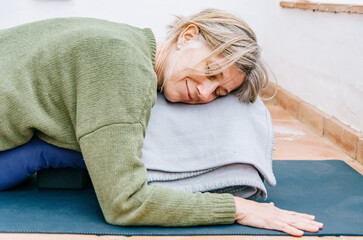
[{"x": 170, "y": 97}]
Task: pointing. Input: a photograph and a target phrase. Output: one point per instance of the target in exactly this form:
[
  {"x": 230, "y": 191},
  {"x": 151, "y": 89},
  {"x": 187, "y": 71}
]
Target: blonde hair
[{"x": 232, "y": 38}]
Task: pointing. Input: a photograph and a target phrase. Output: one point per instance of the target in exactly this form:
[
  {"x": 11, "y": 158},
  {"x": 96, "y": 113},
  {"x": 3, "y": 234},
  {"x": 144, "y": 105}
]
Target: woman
[{"x": 89, "y": 85}]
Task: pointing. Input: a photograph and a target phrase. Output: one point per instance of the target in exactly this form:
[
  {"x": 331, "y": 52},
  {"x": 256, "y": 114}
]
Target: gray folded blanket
[{"x": 222, "y": 146}]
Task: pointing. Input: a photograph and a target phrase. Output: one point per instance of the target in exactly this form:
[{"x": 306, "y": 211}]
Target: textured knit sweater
[{"x": 89, "y": 85}]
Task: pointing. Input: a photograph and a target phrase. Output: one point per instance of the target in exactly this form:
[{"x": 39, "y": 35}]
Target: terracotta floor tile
[
  {"x": 277, "y": 113},
  {"x": 312, "y": 116},
  {"x": 291, "y": 128},
  {"x": 307, "y": 148},
  {"x": 35, "y": 236},
  {"x": 288, "y": 101},
  {"x": 223, "y": 238},
  {"x": 188, "y": 238},
  {"x": 360, "y": 150},
  {"x": 93, "y": 237},
  {"x": 230, "y": 238},
  {"x": 341, "y": 135}
]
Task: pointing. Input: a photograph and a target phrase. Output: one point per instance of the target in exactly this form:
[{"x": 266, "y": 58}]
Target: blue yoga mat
[{"x": 329, "y": 189}]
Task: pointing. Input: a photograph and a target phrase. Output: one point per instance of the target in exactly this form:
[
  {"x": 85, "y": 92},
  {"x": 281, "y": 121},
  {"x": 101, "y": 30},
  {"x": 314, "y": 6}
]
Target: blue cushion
[{"x": 19, "y": 163}]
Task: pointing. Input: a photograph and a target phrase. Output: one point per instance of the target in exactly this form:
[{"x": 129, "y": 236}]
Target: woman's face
[
  {"x": 186, "y": 78},
  {"x": 185, "y": 75}
]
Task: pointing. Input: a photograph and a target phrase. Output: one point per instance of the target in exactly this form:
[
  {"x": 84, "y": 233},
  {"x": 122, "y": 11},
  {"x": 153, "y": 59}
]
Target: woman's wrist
[{"x": 241, "y": 207}]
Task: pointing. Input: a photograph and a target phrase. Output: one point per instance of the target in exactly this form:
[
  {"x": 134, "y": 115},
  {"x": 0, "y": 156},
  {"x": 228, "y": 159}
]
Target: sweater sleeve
[
  {"x": 112, "y": 154},
  {"x": 116, "y": 85}
]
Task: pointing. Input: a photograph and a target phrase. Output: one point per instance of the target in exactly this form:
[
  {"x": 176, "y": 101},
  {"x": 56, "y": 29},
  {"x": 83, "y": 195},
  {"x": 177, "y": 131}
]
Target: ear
[{"x": 190, "y": 33}]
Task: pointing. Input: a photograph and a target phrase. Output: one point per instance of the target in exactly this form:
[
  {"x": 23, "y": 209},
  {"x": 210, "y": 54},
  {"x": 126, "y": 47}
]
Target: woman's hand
[{"x": 266, "y": 215}]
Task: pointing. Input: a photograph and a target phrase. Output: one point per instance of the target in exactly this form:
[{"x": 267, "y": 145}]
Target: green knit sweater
[{"x": 89, "y": 85}]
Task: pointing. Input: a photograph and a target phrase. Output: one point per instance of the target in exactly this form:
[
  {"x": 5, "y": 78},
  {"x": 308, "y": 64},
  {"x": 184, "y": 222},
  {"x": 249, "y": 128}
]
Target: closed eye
[
  {"x": 209, "y": 73},
  {"x": 220, "y": 92}
]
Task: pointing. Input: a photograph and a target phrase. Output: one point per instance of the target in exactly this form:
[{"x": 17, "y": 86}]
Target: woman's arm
[
  {"x": 266, "y": 215},
  {"x": 112, "y": 155},
  {"x": 116, "y": 88}
]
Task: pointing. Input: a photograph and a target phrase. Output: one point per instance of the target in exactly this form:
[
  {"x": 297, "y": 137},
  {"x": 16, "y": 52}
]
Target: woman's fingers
[
  {"x": 303, "y": 221},
  {"x": 291, "y": 230},
  {"x": 267, "y": 215},
  {"x": 304, "y": 224},
  {"x": 308, "y": 216}
]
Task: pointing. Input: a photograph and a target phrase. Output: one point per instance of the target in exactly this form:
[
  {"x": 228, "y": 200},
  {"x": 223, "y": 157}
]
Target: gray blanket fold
[
  {"x": 222, "y": 146},
  {"x": 234, "y": 178}
]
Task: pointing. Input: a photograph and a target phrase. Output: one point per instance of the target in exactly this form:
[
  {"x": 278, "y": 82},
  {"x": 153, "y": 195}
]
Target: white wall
[
  {"x": 155, "y": 14},
  {"x": 318, "y": 57}
]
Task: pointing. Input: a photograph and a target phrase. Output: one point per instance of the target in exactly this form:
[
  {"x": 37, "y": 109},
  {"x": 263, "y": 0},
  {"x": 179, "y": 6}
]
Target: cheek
[
  {"x": 177, "y": 74},
  {"x": 170, "y": 91},
  {"x": 210, "y": 99},
  {"x": 173, "y": 68},
  {"x": 175, "y": 82},
  {"x": 171, "y": 96}
]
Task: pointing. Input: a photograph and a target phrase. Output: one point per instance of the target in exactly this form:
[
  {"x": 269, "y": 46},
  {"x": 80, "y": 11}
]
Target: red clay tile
[
  {"x": 307, "y": 6},
  {"x": 341, "y": 135},
  {"x": 227, "y": 238},
  {"x": 350, "y": 238},
  {"x": 196, "y": 238},
  {"x": 360, "y": 150},
  {"x": 323, "y": 7},
  {"x": 17, "y": 236},
  {"x": 291, "y": 128},
  {"x": 307, "y": 148},
  {"x": 286, "y": 4},
  {"x": 277, "y": 113},
  {"x": 356, "y": 9},
  {"x": 288, "y": 102},
  {"x": 37, "y": 236},
  {"x": 335, "y": 8},
  {"x": 312, "y": 117}
]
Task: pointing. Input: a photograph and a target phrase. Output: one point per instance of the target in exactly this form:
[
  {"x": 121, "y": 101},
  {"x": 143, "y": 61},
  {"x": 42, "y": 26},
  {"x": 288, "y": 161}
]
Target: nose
[{"x": 206, "y": 89}]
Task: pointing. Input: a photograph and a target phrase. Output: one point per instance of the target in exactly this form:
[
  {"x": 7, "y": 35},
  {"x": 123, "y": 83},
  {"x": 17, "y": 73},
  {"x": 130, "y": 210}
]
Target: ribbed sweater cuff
[
  {"x": 152, "y": 43},
  {"x": 224, "y": 208}
]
